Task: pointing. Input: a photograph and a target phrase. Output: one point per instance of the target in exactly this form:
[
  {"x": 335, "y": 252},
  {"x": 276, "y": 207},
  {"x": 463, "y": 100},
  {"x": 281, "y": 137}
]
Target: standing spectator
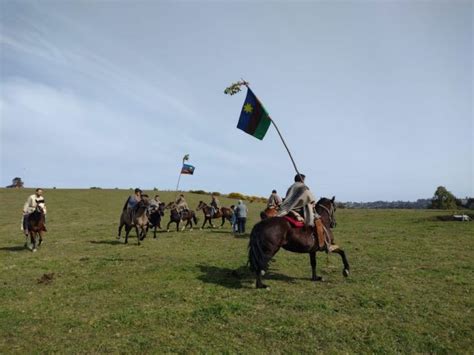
[{"x": 241, "y": 214}]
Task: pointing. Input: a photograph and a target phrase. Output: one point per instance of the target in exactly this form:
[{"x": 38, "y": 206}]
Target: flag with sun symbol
[{"x": 254, "y": 119}]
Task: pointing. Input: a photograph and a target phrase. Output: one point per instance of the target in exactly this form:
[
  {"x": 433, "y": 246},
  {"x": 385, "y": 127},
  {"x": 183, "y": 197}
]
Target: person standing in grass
[{"x": 241, "y": 214}]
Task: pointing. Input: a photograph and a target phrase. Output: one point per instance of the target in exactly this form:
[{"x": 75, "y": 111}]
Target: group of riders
[{"x": 299, "y": 203}]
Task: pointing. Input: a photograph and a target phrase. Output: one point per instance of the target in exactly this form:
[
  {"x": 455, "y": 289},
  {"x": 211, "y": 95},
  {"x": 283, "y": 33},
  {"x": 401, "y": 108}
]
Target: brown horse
[
  {"x": 35, "y": 225},
  {"x": 187, "y": 216},
  {"x": 269, "y": 212},
  {"x": 139, "y": 220},
  {"x": 223, "y": 212},
  {"x": 271, "y": 234}
]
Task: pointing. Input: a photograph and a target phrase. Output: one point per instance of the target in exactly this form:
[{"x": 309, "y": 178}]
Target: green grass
[{"x": 410, "y": 288}]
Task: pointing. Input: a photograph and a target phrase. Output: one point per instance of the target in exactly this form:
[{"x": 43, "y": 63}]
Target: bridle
[{"x": 330, "y": 211}]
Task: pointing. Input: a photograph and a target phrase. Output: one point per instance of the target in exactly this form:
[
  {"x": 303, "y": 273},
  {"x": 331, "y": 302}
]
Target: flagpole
[
  {"x": 287, "y": 149},
  {"x": 246, "y": 83},
  {"x": 186, "y": 157},
  {"x": 179, "y": 178}
]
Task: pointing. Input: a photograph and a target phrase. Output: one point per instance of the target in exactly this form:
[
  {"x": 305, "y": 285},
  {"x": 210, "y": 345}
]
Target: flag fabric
[
  {"x": 254, "y": 119},
  {"x": 187, "y": 169}
]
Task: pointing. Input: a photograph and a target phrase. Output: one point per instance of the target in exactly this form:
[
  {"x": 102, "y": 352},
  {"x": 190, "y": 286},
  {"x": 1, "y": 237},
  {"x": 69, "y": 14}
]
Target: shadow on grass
[
  {"x": 14, "y": 248},
  {"x": 221, "y": 231},
  {"x": 110, "y": 242},
  {"x": 235, "y": 278}
]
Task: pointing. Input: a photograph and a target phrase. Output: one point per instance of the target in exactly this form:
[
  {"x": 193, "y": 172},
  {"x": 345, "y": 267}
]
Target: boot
[{"x": 319, "y": 232}]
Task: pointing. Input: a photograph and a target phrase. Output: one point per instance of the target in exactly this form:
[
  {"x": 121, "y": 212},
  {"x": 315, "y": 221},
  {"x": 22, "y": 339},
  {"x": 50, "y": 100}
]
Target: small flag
[
  {"x": 187, "y": 169},
  {"x": 254, "y": 119}
]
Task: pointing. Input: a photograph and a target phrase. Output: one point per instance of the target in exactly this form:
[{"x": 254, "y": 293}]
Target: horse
[
  {"x": 268, "y": 212},
  {"x": 271, "y": 234},
  {"x": 155, "y": 214},
  {"x": 36, "y": 226},
  {"x": 187, "y": 216},
  {"x": 224, "y": 212},
  {"x": 140, "y": 220}
]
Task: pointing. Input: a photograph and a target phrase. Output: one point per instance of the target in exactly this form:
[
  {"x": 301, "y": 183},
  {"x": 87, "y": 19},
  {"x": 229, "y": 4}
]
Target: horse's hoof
[
  {"x": 263, "y": 286},
  {"x": 25, "y": 246},
  {"x": 167, "y": 231},
  {"x": 34, "y": 250},
  {"x": 345, "y": 272},
  {"x": 317, "y": 278}
]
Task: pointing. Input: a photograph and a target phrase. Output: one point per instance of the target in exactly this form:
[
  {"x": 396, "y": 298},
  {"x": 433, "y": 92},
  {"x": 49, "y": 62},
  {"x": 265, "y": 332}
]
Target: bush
[
  {"x": 199, "y": 192},
  {"x": 236, "y": 195}
]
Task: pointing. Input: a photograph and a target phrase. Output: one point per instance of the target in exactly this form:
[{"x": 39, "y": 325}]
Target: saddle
[{"x": 318, "y": 229}]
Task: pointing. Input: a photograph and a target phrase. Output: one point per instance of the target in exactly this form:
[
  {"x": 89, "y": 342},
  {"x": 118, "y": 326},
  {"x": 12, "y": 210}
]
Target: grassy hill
[{"x": 410, "y": 289}]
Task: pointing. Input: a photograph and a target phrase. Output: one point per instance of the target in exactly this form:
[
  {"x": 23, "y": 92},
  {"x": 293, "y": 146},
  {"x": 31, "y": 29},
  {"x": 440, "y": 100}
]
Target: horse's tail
[{"x": 257, "y": 259}]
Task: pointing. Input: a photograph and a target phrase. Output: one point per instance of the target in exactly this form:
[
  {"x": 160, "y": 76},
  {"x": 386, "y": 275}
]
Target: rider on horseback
[
  {"x": 214, "y": 205},
  {"x": 181, "y": 205},
  {"x": 300, "y": 203},
  {"x": 30, "y": 206},
  {"x": 274, "y": 201},
  {"x": 132, "y": 203}
]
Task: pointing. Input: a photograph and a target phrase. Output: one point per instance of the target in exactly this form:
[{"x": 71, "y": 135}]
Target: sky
[{"x": 374, "y": 98}]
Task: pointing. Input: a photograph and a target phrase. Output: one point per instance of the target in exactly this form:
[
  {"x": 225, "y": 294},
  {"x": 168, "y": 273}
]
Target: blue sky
[{"x": 374, "y": 98}]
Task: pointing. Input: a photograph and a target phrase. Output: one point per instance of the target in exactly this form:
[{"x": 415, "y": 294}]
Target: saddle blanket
[{"x": 294, "y": 222}]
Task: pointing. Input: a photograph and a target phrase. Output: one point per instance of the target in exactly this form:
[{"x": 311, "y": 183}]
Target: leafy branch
[{"x": 235, "y": 87}]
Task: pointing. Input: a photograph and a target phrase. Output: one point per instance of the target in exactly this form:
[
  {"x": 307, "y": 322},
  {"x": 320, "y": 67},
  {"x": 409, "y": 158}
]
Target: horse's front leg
[
  {"x": 314, "y": 277},
  {"x": 168, "y": 226},
  {"x": 127, "y": 231},
  {"x": 338, "y": 250},
  {"x": 33, "y": 241},
  {"x": 154, "y": 232},
  {"x": 204, "y": 223},
  {"x": 40, "y": 238},
  {"x": 223, "y": 221},
  {"x": 139, "y": 233},
  {"x": 120, "y": 230}
]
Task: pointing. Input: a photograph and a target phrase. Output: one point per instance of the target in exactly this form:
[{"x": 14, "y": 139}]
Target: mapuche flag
[
  {"x": 187, "y": 169},
  {"x": 254, "y": 119}
]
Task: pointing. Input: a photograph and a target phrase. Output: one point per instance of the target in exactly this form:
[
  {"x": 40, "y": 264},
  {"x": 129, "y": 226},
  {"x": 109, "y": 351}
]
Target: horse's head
[
  {"x": 161, "y": 208},
  {"x": 145, "y": 201},
  {"x": 170, "y": 206},
  {"x": 41, "y": 207},
  {"x": 326, "y": 205},
  {"x": 201, "y": 206}
]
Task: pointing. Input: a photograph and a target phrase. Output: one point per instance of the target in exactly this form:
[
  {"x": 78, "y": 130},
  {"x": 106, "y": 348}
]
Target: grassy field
[{"x": 410, "y": 289}]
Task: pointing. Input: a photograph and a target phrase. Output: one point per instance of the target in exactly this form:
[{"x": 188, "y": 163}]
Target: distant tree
[
  {"x": 443, "y": 199},
  {"x": 17, "y": 183}
]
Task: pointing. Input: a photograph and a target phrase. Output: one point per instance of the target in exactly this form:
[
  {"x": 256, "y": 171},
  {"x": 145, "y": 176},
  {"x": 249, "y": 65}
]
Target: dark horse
[
  {"x": 187, "y": 216},
  {"x": 271, "y": 234},
  {"x": 35, "y": 226},
  {"x": 139, "y": 219},
  {"x": 223, "y": 212},
  {"x": 155, "y": 215}
]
